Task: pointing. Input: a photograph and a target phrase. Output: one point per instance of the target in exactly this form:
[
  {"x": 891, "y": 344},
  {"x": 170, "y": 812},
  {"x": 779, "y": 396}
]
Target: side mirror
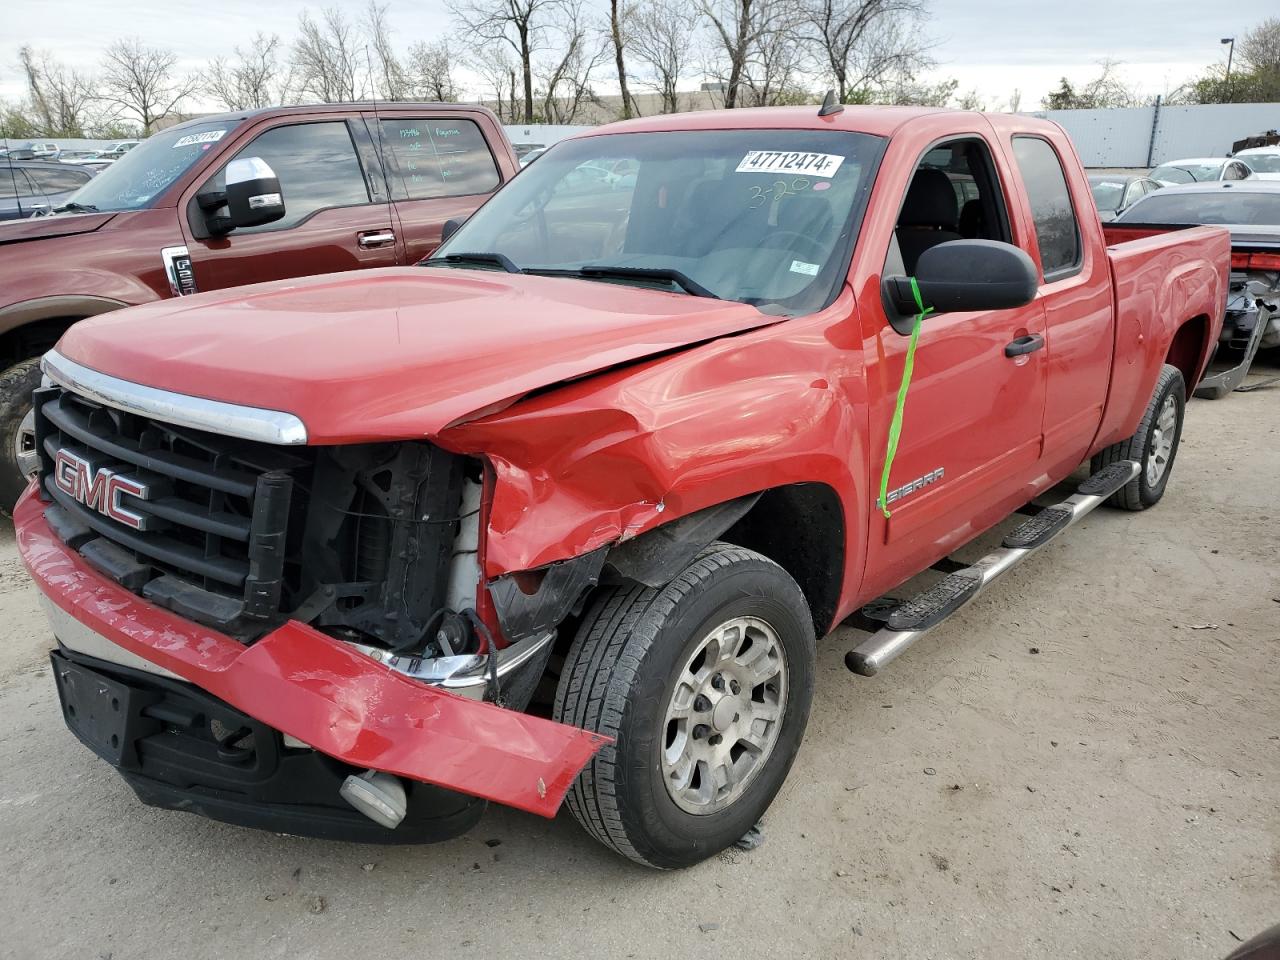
[
  {"x": 963, "y": 275},
  {"x": 251, "y": 198},
  {"x": 449, "y": 229}
]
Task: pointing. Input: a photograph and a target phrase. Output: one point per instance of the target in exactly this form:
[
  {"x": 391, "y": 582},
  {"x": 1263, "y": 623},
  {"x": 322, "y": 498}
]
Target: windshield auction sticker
[
  {"x": 785, "y": 161},
  {"x": 209, "y": 136}
]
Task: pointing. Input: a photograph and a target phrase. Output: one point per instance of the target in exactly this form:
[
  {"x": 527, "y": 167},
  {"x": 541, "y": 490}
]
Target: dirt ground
[{"x": 1085, "y": 763}]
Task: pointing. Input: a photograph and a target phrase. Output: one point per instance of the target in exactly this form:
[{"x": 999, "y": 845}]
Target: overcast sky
[{"x": 993, "y": 46}]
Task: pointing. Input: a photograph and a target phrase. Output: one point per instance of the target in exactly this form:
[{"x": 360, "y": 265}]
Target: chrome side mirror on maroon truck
[
  {"x": 251, "y": 196},
  {"x": 962, "y": 275}
]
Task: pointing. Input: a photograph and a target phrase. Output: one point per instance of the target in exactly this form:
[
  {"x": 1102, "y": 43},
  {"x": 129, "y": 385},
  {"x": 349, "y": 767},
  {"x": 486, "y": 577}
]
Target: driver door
[
  {"x": 336, "y": 214},
  {"x": 972, "y": 428}
]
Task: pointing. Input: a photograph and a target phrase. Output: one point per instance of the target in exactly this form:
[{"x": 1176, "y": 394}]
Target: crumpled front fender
[{"x": 322, "y": 692}]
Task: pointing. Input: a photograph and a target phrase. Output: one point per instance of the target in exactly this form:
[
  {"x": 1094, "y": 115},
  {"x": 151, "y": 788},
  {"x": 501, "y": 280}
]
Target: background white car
[
  {"x": 1263, "y": 161},
  {"x": 1201, "y": 170}
]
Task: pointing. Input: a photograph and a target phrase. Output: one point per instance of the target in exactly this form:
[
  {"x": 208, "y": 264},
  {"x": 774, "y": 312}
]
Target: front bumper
[
  {"x": 305, "y": 684},
  {"x": 180, "y": 748}
]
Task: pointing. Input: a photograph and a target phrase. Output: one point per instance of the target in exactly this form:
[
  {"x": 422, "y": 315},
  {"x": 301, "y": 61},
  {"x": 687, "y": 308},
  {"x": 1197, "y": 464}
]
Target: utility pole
[{"x": 1230, "y": 53}]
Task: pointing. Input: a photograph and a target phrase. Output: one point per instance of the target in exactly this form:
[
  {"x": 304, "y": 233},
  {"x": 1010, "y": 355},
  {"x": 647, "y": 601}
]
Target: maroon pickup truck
[{"x": 358, "y": 186}]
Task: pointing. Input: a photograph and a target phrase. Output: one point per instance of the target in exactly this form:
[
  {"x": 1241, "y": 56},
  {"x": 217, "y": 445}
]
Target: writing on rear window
[
  {"x": 209, "y": 136},
  {"x": 439, "y": 158},
  {"x": 785, "y": 161}
]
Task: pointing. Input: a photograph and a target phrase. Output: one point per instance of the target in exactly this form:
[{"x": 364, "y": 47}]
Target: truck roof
[
  {"x": 880, "y": 121},
  {"x": 235, "y": 116}
]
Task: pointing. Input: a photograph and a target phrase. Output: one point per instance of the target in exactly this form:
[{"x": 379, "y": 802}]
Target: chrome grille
[{"x": 215, "y": 520}]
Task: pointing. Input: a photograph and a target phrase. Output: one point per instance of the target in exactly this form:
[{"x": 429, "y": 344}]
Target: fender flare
[{"x": 72, "y": 306}]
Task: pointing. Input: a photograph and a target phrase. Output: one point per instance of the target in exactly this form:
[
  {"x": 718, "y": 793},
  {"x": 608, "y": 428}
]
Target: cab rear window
[{"x": 430, "y": 157}]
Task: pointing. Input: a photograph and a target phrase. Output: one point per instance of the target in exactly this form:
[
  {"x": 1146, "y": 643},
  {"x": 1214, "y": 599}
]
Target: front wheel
[
  {"x": 19, "y": 459},
  {"x": 705, "y": 687},
  {"x": 1154, "y": 445}
]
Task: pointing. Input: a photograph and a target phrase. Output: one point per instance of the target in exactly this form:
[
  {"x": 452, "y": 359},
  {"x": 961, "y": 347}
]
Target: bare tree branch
[
  {"x": 430, "y": 72},
  {"x": 328, "y": 58},
  {"x": 61, "y": 100},
  {"x": 660, "y": 35},
  {"x": 140, "y": 81},
  {"x": 252, "y": 80},
  {"x": 515, "y": 23}
]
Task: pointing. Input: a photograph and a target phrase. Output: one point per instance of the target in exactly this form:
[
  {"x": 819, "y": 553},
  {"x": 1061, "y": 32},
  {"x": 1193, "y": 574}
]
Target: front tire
[
  {"x": 1154, "y": 444},
  {"x": 705, "y": 686},
  {"x": 18, "y": 456}
]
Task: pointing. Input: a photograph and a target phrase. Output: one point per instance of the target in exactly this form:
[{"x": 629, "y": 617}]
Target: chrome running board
[{"x": 910, "y": 620}]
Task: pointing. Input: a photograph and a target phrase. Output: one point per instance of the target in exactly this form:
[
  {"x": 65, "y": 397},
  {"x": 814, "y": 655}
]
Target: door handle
[
  {"x": 1024, "y": 345},
  {"x": 375, "y": 238}
]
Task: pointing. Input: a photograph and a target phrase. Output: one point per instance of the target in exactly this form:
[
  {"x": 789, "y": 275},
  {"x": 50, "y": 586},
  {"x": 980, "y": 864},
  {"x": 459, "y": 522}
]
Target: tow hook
[{"x": 379, "y": 796}]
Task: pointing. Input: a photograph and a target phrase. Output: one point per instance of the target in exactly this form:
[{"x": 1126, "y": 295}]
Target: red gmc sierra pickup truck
[
  {"x": 563, "y": 510},
  {"x": 359, "y": 186}
]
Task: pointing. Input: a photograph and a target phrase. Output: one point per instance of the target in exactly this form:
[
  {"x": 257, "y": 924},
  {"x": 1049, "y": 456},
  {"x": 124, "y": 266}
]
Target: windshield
[
  {"x": 1262, "y": 162},
  {"x": 1187, "y": 172},
  {"x": 765, "y": 217},
  {"x": 1232, "y": 206},
  {"x": 1107, "y": 193},
  {"x": 146, "y": 171}
]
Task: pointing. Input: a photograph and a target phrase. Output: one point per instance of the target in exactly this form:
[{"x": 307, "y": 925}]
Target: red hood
[
  {"x": 63, "y": 225},
  {"x": 395, "y": 353}
]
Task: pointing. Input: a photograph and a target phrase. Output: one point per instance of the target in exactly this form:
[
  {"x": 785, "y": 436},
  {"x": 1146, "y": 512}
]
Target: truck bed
[{"x": 1164, "y": 279}]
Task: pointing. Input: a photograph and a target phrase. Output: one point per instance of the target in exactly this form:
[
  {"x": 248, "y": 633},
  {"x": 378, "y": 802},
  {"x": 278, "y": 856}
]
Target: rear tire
[
  {"x": 685, "y": 680},
  {"x": 18, "y": 457},
  {"x": 1154, "y": 445}
]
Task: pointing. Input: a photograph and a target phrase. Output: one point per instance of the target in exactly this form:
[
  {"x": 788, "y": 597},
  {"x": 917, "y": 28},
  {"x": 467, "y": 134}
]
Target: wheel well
[
  {"x": 1188, "y": 347},
  {"x": 32, "y": 339},
  {"x": 800, "y": 528}
]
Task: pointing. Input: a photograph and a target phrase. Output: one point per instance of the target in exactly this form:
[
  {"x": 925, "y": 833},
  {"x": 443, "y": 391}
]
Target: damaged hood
[{"x": 395, "y": 353}]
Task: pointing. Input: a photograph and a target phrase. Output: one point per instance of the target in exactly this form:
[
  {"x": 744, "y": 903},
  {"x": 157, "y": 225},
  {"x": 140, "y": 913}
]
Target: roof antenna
[{"x": 830, "y": 105}]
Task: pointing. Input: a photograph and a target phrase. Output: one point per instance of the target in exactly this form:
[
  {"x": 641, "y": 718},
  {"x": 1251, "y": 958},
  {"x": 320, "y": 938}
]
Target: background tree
[
  {"x": 61, "y": 101},
  {"x": 516, "y": 23},
  {"x": 1259, "y": 49},
  {"x": 861, "y": 43},
  {"x": 251, "y": 80},
  {"x": 1255, "y": 77},
  {"x": 141, "y": 81},
  {"x": 616, "y": 37},
  {"x": 493, "y": 63},
  {"x": 564, "y": 82},
  {"x": 1105, "y": 91},
  {"x": 430, "y": 68},
  {"x": 328, "y": 58},
  {"x": 660, "y": 35},
  {"x": 738, "y": 28},
  {"x": 389, "y": 80}
]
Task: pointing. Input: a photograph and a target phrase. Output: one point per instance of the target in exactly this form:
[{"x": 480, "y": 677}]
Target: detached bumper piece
[
  {"x": 182, "y": 749},
  {"x": 303, "y": 683}
]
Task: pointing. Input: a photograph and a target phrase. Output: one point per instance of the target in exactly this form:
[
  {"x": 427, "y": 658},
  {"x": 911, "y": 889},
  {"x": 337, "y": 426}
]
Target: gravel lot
[{"x": 1068, "y": 769}]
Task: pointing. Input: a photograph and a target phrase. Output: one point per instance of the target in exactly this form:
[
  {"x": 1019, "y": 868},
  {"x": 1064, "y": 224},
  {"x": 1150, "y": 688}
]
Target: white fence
[{"x": 1146, "y": 136}]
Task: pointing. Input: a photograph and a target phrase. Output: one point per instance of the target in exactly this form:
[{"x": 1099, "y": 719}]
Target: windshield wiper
[
  {"x": 489, "y": 259},
  {"x": 669, "y": 274},
  {"x": 72, "y": 207}
]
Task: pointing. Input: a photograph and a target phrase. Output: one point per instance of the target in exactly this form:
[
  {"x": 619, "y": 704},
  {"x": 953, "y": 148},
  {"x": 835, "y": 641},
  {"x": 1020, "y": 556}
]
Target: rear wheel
[
  {"x": 1154, "y": 445},
  {"x": 705, "y": 687},
  {"x": 19, "y": 459}
]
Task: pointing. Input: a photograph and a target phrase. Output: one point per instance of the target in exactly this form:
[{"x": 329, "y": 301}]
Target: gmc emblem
[{"x": 98, "y": 489}]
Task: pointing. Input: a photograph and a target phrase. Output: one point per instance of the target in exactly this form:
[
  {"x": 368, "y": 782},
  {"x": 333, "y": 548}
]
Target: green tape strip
[{"x": 895, "y": 425}]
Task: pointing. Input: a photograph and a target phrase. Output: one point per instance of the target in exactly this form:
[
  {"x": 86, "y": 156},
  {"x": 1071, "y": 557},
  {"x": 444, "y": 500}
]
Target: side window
[
  {"x": 954, "y": 194},
  {"x": 14, "y": 183},
  {"x": 317, "y": 167},
  {"x": 432, "y": 158},
  {"x": 1057, "y": 231},
  {"x": 59, "y": 181}
]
